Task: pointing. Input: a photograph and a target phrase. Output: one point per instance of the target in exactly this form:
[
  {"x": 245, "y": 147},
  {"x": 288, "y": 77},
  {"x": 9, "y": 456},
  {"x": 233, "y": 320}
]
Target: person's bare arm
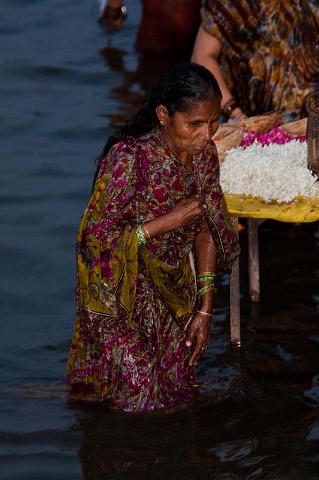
[
  {"x": 184, "y": 213},
  {"x": 205, "y": 261},
  {"x": 206, "y": 52}
]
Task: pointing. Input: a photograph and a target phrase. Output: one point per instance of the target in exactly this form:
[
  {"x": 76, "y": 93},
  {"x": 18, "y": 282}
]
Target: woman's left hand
[
  {"x": 198, "y": 331},
  {"x": 237, "y": 114}
]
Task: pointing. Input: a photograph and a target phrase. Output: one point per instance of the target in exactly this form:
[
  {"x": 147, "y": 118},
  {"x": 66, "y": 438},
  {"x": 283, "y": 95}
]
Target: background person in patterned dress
[{"x": 263, "y": 53}]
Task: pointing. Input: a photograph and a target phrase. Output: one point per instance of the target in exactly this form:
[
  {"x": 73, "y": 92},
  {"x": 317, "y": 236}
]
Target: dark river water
[{"x": 64, "y": 83}]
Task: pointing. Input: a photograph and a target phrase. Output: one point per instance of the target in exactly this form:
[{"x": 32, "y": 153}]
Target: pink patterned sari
[{"x": 133, "y": 303}]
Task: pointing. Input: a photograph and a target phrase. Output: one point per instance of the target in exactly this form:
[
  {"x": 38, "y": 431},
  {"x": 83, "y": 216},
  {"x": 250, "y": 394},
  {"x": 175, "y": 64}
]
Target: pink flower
[
  {"x": 106, "y": 270},
  {"x": 159, "y": 195},
  {"x": 177, "y": 185},
  {"x": 118, "y": 172},
  {"x": 120, "y": 182},
  {"x": 144, "y": 160},
  {"x": 276, "y": 135}
]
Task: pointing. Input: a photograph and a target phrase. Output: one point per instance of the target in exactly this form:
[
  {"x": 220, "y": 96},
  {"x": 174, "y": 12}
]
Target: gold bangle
[
  {"x": 204, "y": 313},
  {"x": 146, "y": 232}
]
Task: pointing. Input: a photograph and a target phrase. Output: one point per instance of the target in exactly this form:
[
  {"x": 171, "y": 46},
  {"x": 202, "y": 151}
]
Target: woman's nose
[
  {"x": 212, "y": 128},
  {"x": 206, "y": 133}
]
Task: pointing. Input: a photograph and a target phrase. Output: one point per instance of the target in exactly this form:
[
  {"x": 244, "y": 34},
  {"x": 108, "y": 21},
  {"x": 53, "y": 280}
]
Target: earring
[{"x": 162, "y": 122}]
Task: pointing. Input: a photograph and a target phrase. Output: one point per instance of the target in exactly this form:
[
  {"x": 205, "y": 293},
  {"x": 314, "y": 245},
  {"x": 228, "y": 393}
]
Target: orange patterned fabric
[{"x": 270, "y": 56}]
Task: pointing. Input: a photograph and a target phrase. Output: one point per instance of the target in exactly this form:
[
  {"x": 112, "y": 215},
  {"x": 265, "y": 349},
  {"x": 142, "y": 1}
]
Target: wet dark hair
[{"x": 184, "y": 85}]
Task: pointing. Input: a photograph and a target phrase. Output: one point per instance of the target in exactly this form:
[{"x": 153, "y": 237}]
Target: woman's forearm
[
  {"x": 206, "y": 52},
  {"x": 212, "y": 65},
  {"x": 160, "y": 225},
  {"x": 205, "y": 261},
  {"x": 185, "y": 212}
]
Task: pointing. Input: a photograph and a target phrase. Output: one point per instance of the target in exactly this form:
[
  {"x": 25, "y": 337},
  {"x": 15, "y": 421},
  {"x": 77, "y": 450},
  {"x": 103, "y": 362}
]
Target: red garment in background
[{"x": 168, "y": 25}]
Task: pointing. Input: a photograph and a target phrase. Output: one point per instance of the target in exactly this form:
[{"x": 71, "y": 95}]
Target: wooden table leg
[
  {"x": 235, "y": 302},
  {"x": 253, "y": 259}
]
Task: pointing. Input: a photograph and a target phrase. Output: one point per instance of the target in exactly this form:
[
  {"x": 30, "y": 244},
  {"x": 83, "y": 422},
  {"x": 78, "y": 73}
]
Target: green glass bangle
[
  {"x": 204, "y": 278},
  {"x": 205, "y": 289},
  {"x": 141, "y": 240},
  {"x": 206, "y": 275}
]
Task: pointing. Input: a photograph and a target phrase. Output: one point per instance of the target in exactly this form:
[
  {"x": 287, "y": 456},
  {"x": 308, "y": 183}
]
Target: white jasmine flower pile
[{"x": 273, "y": 172}]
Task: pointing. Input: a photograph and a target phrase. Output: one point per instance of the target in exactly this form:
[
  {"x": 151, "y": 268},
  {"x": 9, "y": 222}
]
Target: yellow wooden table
[{"x": 301, "y": 210}]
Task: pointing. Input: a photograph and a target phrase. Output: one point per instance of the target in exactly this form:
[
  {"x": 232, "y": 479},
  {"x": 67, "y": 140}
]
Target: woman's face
[{"x": 188, "y": 132}]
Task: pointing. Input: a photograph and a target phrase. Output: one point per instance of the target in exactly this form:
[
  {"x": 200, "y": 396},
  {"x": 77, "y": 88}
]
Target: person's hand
[
  {"x": 198, "y": 335},
  {"x": 113, "y": 15},
  {"x": 187, "y": 212},
  {"x": 237, "y": 114}
]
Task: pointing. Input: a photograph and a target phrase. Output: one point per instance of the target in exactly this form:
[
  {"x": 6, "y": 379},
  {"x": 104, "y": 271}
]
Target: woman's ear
[{"x": 162, "y": 114}]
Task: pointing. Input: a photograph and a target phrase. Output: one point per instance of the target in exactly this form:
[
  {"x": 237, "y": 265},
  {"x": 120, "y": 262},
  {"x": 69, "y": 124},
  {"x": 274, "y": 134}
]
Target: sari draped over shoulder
[
  {"x": 133, "y": 302},
  {"x": 270, "y": 55}
]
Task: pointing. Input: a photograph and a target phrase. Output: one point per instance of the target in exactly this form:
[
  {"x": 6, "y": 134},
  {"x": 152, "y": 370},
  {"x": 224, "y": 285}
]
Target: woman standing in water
[{"x": 142, "y": 319}]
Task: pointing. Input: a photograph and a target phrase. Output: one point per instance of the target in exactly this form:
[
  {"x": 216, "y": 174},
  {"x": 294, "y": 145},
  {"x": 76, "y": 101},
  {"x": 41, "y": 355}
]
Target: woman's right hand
[
  {"x": 113, "y": 14},
  {"x": 186, "y": 212}
]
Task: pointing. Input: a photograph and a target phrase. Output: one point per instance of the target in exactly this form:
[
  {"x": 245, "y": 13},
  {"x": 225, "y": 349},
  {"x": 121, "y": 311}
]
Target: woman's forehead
[{"x": 206, "y": 108}]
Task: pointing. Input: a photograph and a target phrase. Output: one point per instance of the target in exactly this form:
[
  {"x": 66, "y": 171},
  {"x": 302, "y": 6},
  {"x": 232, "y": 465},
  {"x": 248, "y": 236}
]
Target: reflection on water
[
  {"x": 64, "y": 83},
  {"x": 240, "y": 437},
  {"x": 135, "y": 84}
]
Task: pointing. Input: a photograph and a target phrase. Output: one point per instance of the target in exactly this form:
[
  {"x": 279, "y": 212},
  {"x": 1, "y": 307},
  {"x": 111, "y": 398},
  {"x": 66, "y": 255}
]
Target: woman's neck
[
  {"x": 186, "y": 160},
  {"x": 182, "y": 155}
]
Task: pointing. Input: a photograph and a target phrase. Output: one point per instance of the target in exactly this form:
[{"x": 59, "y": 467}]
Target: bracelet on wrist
[
  {"x": 229, "y": 106},
  {"x": 141, "y": 240},
  {"x": 204, "y": 313},
  {"x": 206, "y": 274},
  {"x": 146, "y": 232},
  {"x": 206, "y": 288},
  {"x": 205, "y": 277}
]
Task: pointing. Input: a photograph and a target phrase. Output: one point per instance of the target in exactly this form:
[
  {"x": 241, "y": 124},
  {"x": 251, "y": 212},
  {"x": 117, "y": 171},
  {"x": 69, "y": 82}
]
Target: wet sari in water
[{"x": 133, "y": 302}]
